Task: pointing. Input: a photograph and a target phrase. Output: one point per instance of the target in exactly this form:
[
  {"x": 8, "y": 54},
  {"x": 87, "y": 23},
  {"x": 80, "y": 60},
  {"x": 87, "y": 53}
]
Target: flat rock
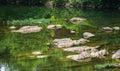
[
  {"x": 87, "y": 55},
  {"x": 65, "y": 42},
  {"x": 77, "y": 20},
  {"x": 116, "y": 55},
  {"x": 116, "y": 28},
  {"x": 80, "y": 57},
  {"x": 80, "y": 41},
  {"x": 42, "y": 56},
  {"x": 88, "y": 35},
  {"x": 12, "y": 27},
  {"x": 80, "y": 49},
  {"x": 36, "y": 53},
  {"x": 108, "y": 29},
  {"x": 54, "y": 26},
  {"x": 28, "y": 29}
]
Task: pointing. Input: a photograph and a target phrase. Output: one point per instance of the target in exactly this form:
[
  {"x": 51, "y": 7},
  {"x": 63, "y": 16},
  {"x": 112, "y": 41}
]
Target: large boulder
[
  {"x": 88, "y": 35},
  {"x": 28, "y": 29},
  {"x": 116, "y": 55},
  {"x": 77, "y": 20}
]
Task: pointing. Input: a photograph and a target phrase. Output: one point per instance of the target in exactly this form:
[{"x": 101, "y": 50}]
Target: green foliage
[
  {"x": 107, "y": 65},
  {"x": 29, "y": 21}
]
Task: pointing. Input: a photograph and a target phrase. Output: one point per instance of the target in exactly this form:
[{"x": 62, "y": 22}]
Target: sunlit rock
[
  {"x": 67, "y": 42},
  {"x": 72, "y": 31},
  {"x": 12, "y": 27},
  {"x": 88, "y": 35},
  {"x": 42, "y": 56},
  {"x": 54, "y": 26},
  {"x": 64, "y": 42},
  {"x": 84, "y": 56},
  {"x": 99, "y": 54},
  {"x": 80, "y": 41},
  {"x": 77, "y": 20},
  {"x": 28, "y": 29},
  {"x": 116, "y": 28},
  {"x": 116, "y": 55},
  {"x": 107, "y": 29},
  {"x": 80, "y": 49},
  {"x": 36, "y": 53}
]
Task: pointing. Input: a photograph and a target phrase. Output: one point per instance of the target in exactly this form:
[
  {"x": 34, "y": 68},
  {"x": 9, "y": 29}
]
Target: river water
[{"x": 16, "y": 48}]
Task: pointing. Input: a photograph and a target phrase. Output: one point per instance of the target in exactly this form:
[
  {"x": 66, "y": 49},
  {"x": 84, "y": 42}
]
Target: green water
[{"x": 15, "y": 48}]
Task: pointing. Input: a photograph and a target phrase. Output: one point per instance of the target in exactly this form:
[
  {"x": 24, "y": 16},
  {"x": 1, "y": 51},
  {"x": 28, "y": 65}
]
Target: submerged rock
[
  {"x": 77, "y": 20},
  {"x": 28, "y": 29},
  {"x": 88, "y": 35},
  {"x": 65, "y": 42},
  {"x": 116, "y": 55},
  {"x": 54, "y": 26}
]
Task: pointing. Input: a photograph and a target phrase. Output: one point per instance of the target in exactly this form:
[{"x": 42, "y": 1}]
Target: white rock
[
  {"x": 80, "y": 49},
  {"x": 80, "y": 41},
  {"x": 88, "y": 35},
  {"x": 116, "y": 28},
  {"x": 58, "y": 26},
  {"x": 107, "y": 28},
  {"x": 37, "y": 53},
  {"x": 72, "y": 31},
  {"x": 99, "y": 54},
  {"x": 54, "y": 26},
  {"x": 79, "y": 57},
  {"x": 50, "y": 26},
  {"x": 12, "y": 27},
  {"x": 77, "y": 20},
  {"x": 28, "y": 29},
  {"x": 64, "y": 42},
  {"x": 116, "y": 55},
  {"x": 42, "y": 56}
]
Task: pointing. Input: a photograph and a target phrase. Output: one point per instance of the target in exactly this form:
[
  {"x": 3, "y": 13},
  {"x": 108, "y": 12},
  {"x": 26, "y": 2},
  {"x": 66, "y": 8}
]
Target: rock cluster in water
[
  {"x": 85, "y": 53},
  {"x": 28, "y": 29},
  {"x": 68, "y": 42}
]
